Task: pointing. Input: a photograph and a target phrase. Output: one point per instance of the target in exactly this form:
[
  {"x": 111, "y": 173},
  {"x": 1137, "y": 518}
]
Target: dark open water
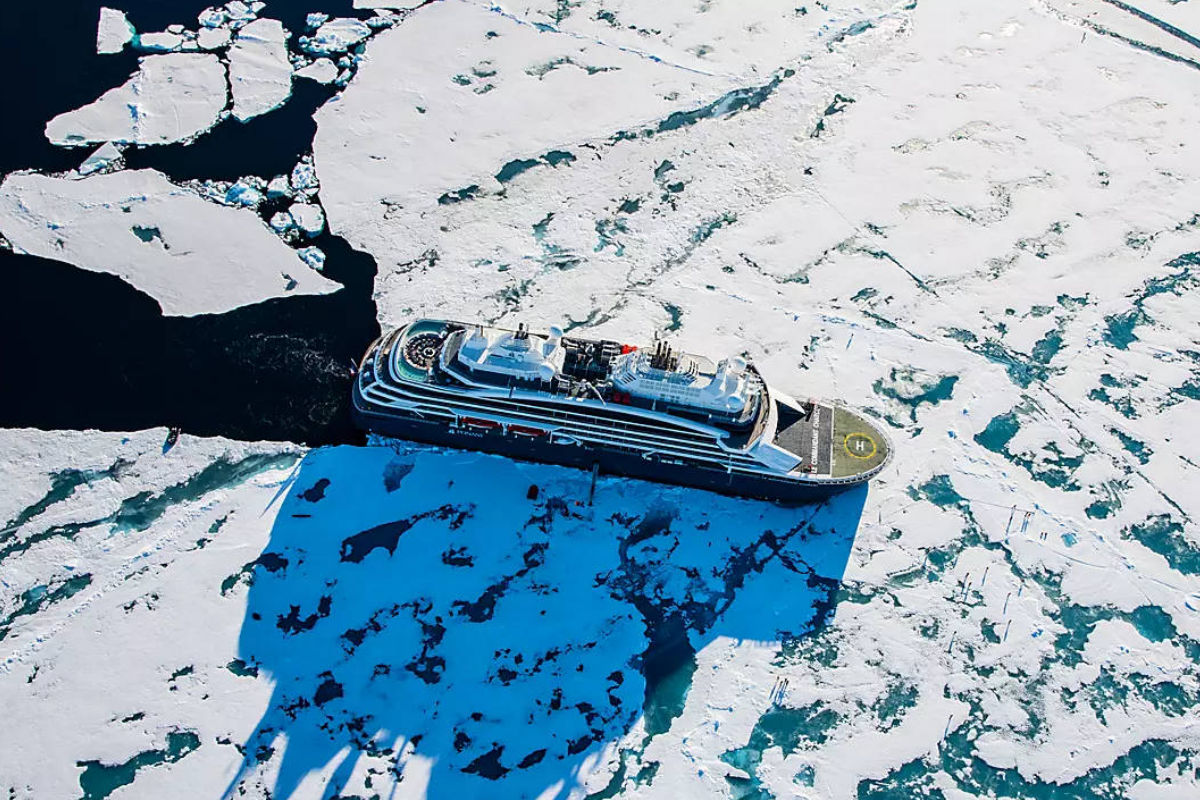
[{"x": 85, "y": 350}]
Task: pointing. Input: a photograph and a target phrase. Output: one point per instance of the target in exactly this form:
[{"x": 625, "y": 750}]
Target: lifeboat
[
  {"x": 478, "y": 424},
  {"x": 525, "y": 430}
]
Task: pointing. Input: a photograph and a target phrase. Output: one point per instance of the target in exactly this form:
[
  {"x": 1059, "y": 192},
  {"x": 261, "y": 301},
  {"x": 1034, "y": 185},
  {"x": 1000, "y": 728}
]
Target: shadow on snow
[{"x": 424, "y": 619}]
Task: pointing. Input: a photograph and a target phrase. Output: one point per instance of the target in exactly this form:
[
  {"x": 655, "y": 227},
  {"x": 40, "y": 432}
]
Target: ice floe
[
  {"x": 309, "y": 217},
  {"x": 113, "y": 32},
  {"x": 213, "y": 38},
  {"x": 971, "y": 219},
  {"x": 172, "y": 98},
  {"x": 161, "y": 42},
  {"x": 190, "y": 255},
  {"x": 321, "y": 70},
  {"x": 260, "y": 75},
  {"x": 106, "y": 156},
  {"x": 336, "y": 36}
]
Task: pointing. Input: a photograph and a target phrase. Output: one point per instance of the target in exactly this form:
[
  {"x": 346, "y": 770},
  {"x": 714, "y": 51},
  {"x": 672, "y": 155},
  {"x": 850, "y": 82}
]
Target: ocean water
[{"x": 276, "y": 370}]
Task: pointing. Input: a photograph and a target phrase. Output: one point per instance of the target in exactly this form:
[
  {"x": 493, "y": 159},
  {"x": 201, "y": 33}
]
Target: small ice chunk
[
  {"x": 322, "y": 71},
  {"x": 309, "y": 218},
  {"x": 163, "y": 42},
  {"x": 399, "y": 5},
  {"x": 213, "y": 17},
  {"x": 239, "y": 13},
  {"x": 243, "y": 194},
  {"x": 172, "y": 98},
  {"x": 213, "y": 38},
  {"x": 282, "y": 222},
  {"x": 105, "y": 155},
  {"x": 279, "y": 187},
  {"x": 260, "y": 75},
  {"x": 336, "y": 36},
  {"x": 315, "y": 20},
  {"x": 176, "y": 28},
  {"x": 113, "y": 32},
  {"x": 313, "y": 256},
  {"x": 304, "y": 178}
]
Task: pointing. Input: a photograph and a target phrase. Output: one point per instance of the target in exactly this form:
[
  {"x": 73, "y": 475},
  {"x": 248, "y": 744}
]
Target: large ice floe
[
  {"x": 191, "y": 255},
  {"x": 173, "y": 97},
  {"x": 260, "y": 75},
  {"x": 113, "y": 31},
  {"x": 978, "y": 221}
]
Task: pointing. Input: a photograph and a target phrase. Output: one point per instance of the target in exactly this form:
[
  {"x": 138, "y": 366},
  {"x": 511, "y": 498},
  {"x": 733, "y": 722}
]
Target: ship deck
[
  {"x": 858, "y": 446},
  {"x": 831, "y": 441},
  {"x": 809, "y": 437}
]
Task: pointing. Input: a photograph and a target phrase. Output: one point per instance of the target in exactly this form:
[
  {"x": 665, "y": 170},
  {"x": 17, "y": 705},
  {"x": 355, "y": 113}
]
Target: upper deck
[
  {"x": 567, "y": 381},
  {"x": 830, "y": 441}
]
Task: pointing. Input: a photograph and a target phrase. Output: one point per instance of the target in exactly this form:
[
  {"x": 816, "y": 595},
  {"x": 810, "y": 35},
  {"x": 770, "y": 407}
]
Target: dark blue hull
[{"x": 611, "y": 462}]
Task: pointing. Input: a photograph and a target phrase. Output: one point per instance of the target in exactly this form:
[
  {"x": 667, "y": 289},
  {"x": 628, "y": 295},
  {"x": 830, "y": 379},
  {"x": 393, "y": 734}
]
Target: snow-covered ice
[
  {"x": 978, "y": 221},
  {"x": 260, "y": 75},
  {"x": 321, "y": 70},
  {"x": 309, "y": 217},
  {"x": 159, "y": 42},
  {"x": 106, "y": 156},
  {"x": 172, "y": 98},
  {"x": 113, "y": 31},
  {"x": 336, "y": 36},
  {"x": 213, "y": 38},
  {"x": 190, "y": 255}
]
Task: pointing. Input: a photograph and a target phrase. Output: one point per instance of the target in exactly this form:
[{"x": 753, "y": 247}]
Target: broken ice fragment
[
  {"x": 212, "y": 38},
  {"x": 240, "y": 13},
  {"x": 282, "y": 222},
  {"x": 313, "y": 256},
  {"x": 315, "y": 20},
  {"x": 304, "y": 177},
  {"x": 103, "y": 156},
  {"x": 309, "y": 218},
  {"x": 336, "y": 36},
  {"x": 162, "y": 42},
  {"x": 242, "y": 194},
  {"x": 279, "y": 187},
  {"x": 113, "y": 32},
  {"x": 322, "y": 71},
  {"x": 260, "y": 76},
  {"x": 172, "y": 98},
  {"x": 212, "y": 17}
]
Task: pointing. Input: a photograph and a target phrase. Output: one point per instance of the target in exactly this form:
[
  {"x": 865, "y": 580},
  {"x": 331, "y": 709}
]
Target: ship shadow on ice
[{"x": 431, "y": 623}]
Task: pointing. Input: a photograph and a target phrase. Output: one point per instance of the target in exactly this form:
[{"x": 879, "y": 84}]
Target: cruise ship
[{"x": 646, "y": 412}]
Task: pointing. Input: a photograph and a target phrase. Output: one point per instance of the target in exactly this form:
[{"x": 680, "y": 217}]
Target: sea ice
[
  {"x": 192, "y": 256},
  {"x": 244, "y": 193},
  {"x": 240, "y": 13},
  {"x": 304, "y": 177},
  {"x": 260, "y": 75},
  {"x": 279, "y": 187},
  {"x": 336, "y": 36},
  {"x": 321, "y": 70},
  {"x": 172, "y": 98},
  {"x": 309, "y": 217},
  {"x": 105, "y": 156},
  {"x": 113, "y": 32},
  {"x": 399, "y": 5},
  {"x": 282, "y": 221},
  {"x": 213, "y": 38},
  {"x": 1004, "y": 274},
  {"x": 517, "y": 93},
  {"x": 213, "y": 18},
  {"x": 313, "y": 256},
  {"x": 161, "y": 42}
]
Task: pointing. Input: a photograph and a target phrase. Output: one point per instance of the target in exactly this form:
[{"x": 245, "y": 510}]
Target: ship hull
[{"x": 611, "y": 462}]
